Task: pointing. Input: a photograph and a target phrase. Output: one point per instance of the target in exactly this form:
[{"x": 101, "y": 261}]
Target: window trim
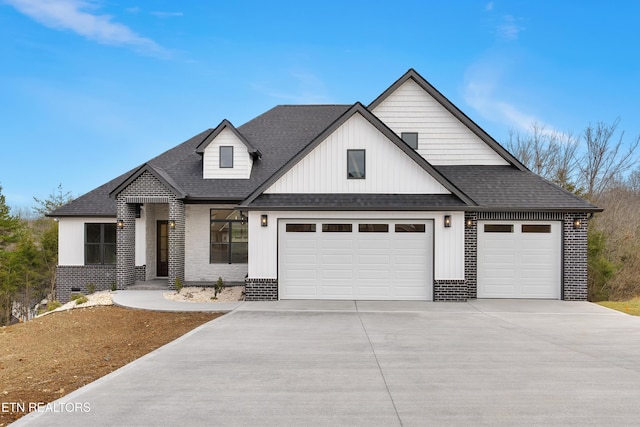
[
  {"x": 220, "y": 157},
  {"x": 373, "y": 227},
  {"x": 364, "y": 163},
  {"x": 102, "y": 245},
  {"x": 402, "y": 134},
  {"x": 410, "y": 228},
  {"x": 298, "y": 227},
  {"x": 535, "y": 228},
  {"x": 498, "y": 228},
  {"x": 332, "y": 227}
]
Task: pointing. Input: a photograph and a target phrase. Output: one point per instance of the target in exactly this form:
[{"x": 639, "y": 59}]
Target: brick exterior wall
[
  {"x": 102, "y": 277},
  {"x": 450, "y": 290},
  {"x": 261, "y": 289},
  {"x": 574, "y": 242}
]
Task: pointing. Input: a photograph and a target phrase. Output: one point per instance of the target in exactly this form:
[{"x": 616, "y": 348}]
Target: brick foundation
[
  {"x": 450, "y": 290},
  {"x": 102, "y": 277},
  {"x": 261, "y": 289}
]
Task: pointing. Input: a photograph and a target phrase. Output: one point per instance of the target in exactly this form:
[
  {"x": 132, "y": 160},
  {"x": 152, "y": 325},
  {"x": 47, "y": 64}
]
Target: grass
[{"x": 631, "y": 306}]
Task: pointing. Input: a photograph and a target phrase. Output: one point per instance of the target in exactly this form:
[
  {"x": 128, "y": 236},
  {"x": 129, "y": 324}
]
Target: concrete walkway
[{"x": 368, "y": 363}]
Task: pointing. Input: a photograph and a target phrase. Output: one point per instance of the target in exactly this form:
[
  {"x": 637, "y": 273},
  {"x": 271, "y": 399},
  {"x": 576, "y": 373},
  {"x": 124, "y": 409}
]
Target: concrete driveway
[{"x": 485, "y": 362}]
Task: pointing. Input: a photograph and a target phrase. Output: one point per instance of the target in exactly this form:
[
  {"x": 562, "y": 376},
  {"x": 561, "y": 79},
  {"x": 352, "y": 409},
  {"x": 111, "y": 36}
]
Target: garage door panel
[
  {"x": 373, "y": 291},
  {"x": 330, "y": 292},
  {"x": 520, "y": 264},
  {"x": 372, "y": 244},
  {"x": 366, "y": 264}
]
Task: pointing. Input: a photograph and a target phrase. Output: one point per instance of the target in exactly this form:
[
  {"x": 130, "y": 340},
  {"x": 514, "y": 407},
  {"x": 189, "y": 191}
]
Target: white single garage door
[
  {"x": 355, "y": 260},
  {"x": 519, "y": 259}
]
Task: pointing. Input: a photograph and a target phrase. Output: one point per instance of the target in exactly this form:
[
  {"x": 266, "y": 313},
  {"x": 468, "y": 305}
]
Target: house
[{"x": 404, "y": 199}]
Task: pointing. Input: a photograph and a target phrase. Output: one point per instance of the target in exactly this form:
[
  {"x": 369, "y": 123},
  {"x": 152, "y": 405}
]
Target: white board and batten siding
[
  {"x": 242, "y": 161},
  {"x": 448, "y": 243},
  {"x": 442, "y": 138},
  {"x": 388, "y": 169}
]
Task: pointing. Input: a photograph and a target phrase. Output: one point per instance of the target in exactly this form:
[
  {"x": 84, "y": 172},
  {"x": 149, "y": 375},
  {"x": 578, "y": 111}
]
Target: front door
[{"x": 162, "y": 247}]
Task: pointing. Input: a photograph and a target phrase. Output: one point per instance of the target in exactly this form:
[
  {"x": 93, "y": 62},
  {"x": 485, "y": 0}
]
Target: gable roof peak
[
  {"x": 413, "y": 75},
  {"x": 226, "y": 124}
]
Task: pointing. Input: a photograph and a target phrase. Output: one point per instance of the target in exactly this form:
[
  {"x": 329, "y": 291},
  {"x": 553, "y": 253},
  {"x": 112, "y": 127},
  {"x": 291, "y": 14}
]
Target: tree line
[{"x": 28, "y": 256}]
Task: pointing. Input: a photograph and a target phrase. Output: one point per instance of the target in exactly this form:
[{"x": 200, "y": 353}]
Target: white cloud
[
  {"x": 481, "y": 91},
  {"x": 76, "y": 16},
  {"x": 303, "y": 87},
  {"x": 158, "y": 14},
  {"x": 509, "y": 29}
]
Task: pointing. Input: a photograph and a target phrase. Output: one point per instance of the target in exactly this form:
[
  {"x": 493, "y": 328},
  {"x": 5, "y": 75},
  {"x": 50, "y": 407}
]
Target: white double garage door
[
  {"x": 393, "y": 260},
  {"x": 355, "y": 260}
]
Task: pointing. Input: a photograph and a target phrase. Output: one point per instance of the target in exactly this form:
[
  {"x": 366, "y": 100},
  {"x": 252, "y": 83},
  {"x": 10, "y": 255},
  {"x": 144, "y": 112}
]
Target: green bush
[
  {"x": 52, "y": 305},
  {"x": 178, "y": 285},
  {"x": 600, "y": 269},
  {"x": 218, "y": 287},
  {"x": 79, "y": 298},
  {"x": 91, "y": 288},
  {"x": 114, "y": 287}
]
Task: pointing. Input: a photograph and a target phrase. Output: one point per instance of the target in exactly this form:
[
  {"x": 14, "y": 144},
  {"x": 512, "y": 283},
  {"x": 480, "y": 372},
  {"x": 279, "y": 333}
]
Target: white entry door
[
  {"x": 356, "y": 260},
  {"x": 519, "y": 259}
]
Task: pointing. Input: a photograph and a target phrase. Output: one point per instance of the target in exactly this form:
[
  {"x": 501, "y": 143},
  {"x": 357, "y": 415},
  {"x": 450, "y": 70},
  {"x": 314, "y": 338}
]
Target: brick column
[
  {"x": 125, "y": 245},
  {"x": 471, "y": 253},
  {"x": 575, "y": 258},
  {"x": 176, "y": 242}
]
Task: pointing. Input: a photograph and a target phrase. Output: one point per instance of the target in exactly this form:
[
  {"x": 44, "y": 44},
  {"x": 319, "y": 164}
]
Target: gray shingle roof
[
  {"x": 278, "y": 134},
  {"x": 507, "y": 188},
  {"x": 286, "y": 131},
  {"x": 377, "y": 202}
]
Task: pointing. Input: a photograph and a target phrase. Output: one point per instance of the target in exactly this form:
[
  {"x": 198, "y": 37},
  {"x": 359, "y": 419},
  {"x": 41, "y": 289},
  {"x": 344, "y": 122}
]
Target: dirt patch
[{"x": 51, "y": 356}]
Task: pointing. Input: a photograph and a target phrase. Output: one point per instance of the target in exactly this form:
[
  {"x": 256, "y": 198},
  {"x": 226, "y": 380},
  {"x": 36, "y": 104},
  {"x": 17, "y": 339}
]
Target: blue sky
[{"x": 90, "y": 89}]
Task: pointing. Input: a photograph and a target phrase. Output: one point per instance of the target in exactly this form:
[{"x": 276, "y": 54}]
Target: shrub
[
  {"x": 91, "y": 288},
  {"x": 218, "y": 287},
  {"x": 114, "y": 287},
  {"x": 79, "y": 298},
  {"x": 52, "y": 305},
  {"x": 178, "y": 285}
]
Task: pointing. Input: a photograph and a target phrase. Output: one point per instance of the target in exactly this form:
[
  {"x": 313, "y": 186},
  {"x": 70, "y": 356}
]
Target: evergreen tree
[{"x": 10, "y": 228}]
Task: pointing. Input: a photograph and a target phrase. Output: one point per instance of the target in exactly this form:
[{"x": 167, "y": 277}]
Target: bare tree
[
  {"x": 547, "y": 153},
  {"x": 605, "y": 161}
]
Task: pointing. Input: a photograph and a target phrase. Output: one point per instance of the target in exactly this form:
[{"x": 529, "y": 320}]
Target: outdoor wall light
[
  {"x": 469, "y": 223},
  {"x": 120, "y": 224},
  {"x": 447, "y": 221},
  {"x": 172, "y": 224},
  {"x": 577, "y": 223},
  {"x": 264, "y": 221}
]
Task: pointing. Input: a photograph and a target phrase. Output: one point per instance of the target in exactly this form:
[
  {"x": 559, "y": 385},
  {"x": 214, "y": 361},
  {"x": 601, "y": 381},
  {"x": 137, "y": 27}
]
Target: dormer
[{"x": 226, "y": 154}]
